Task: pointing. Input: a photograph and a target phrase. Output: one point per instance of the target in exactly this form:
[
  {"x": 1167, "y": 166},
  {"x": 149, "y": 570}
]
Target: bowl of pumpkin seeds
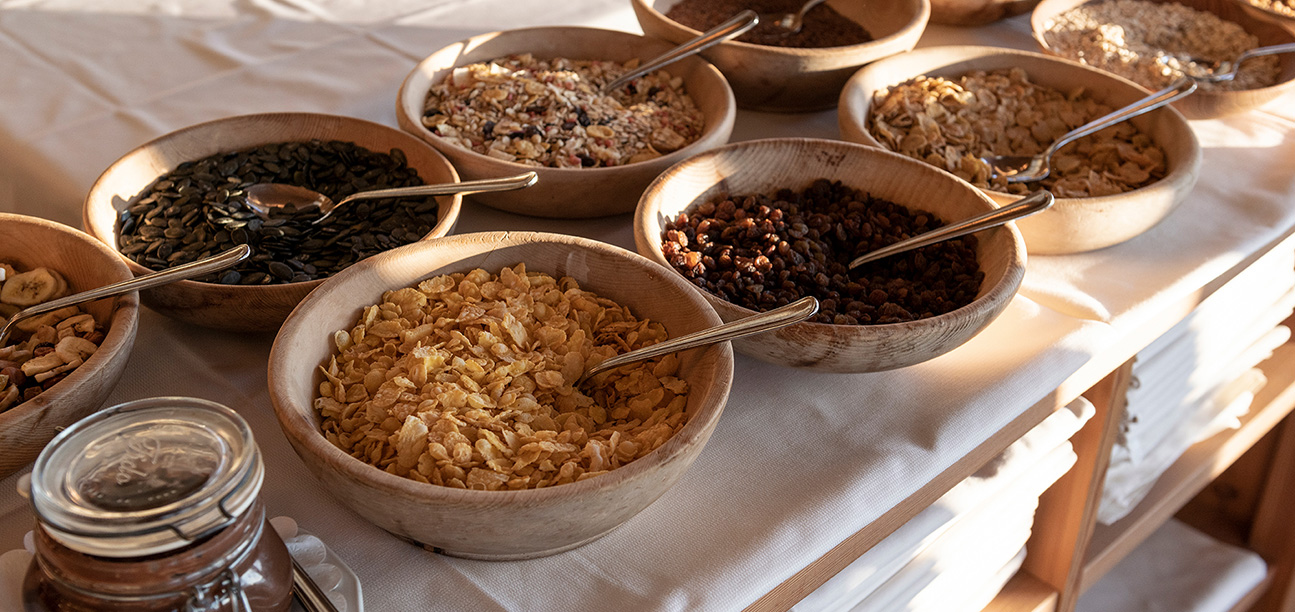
[{"x": 184, "y": 196}]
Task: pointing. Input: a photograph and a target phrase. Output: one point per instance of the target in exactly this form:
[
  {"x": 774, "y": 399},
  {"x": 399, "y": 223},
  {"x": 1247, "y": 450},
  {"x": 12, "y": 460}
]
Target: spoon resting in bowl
[
  {"x": 793, "y": 22},
  {"x": 264, "y": 197},
  {"x": 1206, "y": 71},
  {"x": 732, "y": 28}
]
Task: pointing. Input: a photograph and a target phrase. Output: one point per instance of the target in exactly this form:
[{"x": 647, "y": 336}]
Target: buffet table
[{"x": 800, "y": 462}]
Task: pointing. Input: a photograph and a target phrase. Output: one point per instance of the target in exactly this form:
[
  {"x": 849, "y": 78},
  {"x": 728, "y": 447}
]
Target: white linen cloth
[
  {"x": 1176, "y": 569},
  {"x": 799, "y": 461}
]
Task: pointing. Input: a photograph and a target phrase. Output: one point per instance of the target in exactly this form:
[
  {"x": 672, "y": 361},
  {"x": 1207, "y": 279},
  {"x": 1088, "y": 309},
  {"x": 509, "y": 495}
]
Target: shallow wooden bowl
[
  {"x": 764, "y": 166},
  {"x": 87, "y": 264},
  {"x": 779, "y": 79},
  {"x": 1071, "y": 225},
  {"x": 497, "y": 524},
  {"x": 977, "y": 12},
  {"x": 1285, "y": 21},
  {"x": 567, "y": 193},
  {"x": 239, "y": 307},
  {"x": 1203, "y": 104}
]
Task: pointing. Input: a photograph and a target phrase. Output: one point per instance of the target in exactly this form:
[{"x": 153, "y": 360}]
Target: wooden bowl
[
  {"x": 1071, "y": 225},
  {"x": 1285, "y": 21},
  {"x": 977, "y": 12},
  {"x": 766, "y": 78},
  {"x": 567, "y": 193},
  {"x": 497, "y": 524},
  {"x": 764, "y": 166},
  {"x": 29, "y": 242},
  {"x": 1203, "y": 104},
  {"x": 241, "y": 307}
]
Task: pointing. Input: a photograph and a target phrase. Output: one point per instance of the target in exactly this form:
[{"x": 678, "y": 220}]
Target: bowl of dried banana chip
[
  {"x": 949, "y": 106},
  {"x": 58, "y": 367}
]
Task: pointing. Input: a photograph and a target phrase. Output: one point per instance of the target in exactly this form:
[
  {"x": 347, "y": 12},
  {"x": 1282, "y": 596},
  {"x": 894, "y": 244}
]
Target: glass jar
[{"x": 153, "y": 505}]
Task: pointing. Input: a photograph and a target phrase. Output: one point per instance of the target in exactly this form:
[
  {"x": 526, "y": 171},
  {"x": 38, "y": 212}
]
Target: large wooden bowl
[
  {"x": 87, "y": 264},
  {"x": 1071, "y": 225},
  {"x": 567, "y": 193},
  {"x": 497, "y": 524},
  {"x": 241, "y": 307},
  {"x": 781, "y": 79},
  {"x": 1204, "y": 103},
  {"x": 764, "y": 166},
  {"x": 1284, "y": 20}
]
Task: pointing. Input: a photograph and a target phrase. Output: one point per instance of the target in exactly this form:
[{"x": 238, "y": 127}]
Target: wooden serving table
[{"x": 805, "y": 471}]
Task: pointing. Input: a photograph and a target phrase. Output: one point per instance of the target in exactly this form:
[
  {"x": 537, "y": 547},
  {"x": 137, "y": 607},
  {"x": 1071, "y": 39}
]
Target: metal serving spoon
[
  {"x": 264, "y": 197},
  {"x": 215, "y": 263},
  {"x": 1028, "y": 205},
  {"x": 1026, "y": 168},
  {"x": 734, "y": 27},
  {"x": 793, "y": 22},
  {"x": 777, "y": 318},
  {"x": 1223, "y": 70}
]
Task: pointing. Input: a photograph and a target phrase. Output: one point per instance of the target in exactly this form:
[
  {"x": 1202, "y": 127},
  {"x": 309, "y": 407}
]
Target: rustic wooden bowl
[
  {"x": 977, "y": 12},
  {"x": 567, "y": 193},
  {"x": 779, "y": 79},
  {"x": 1285, "y": 21},
  {"x": 497, "y": 524},
  {"x": 238, "y": 307},
  {"x": 1203, "y": 104},
  {"x": 86, "y": 263},
  {"x": 1071, "y": 225},
  {"x": 764, "y": 166}
]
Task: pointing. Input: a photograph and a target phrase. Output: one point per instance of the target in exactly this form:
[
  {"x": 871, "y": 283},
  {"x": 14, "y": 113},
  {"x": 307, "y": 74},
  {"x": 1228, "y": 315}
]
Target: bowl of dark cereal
[
  {"x": 530, "y": 99},
  {"x": 773, "y": 70},
  {"x": 950, "y": 106},
  {"x": 758, "y": 224},
  {"x": 1152, "y": 42},
  {"x": 58, "y": 367},
  {"x": 478, "y": 440},
  {"x": 182, "y": 197}
]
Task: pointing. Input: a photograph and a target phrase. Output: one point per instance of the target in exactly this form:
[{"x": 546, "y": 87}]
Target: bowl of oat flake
[{"x": 529, "y": 99}]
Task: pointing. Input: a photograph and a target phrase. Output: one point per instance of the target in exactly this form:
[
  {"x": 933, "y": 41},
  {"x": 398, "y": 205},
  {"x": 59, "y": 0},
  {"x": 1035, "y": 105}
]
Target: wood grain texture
[
  {"x": 1071, "y": 225},
  {"x": 567, "y": 193},
  {"x": 87, "y": 264},
  {"x": 781, "y": 79},
  {"x": 1273, "y": 532},
  {"x": 236, "y": 307},
  {"x": 497, "y": 524},
  {"x": 1024, "y": 593},
  {"x": 1204, "y": 104},
  {"x": 764, "y": 166}
]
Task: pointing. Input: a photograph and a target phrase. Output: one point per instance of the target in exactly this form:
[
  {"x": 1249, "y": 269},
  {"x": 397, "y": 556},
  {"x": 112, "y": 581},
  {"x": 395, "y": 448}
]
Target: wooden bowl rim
[
  {"x": 645, "y": 217},
  {"x": 122, "y": 324},
  {"x": 1180, "y": 176},
  {"x": 302, "y": 429},
  {"x": 1278, "y": 19},
  {"x": 912, "y": 28},
  {"x": 701, "y": 67},
  {"x": 444, "y": 223}
]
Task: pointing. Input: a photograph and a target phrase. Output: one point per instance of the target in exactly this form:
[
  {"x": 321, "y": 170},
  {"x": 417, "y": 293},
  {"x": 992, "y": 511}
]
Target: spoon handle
[
  {"x": 211, "y": 264},
  {"x": 312, "y": 598},
  {"x": 1261, "y": 51},
  {"x": 734, "y": 27},
  {"x": 794, "y": 312},
  {"x": 525, "y": 179},
  {"x": 1030, "y": 204},
  {"x": 1179, "y": 89}
]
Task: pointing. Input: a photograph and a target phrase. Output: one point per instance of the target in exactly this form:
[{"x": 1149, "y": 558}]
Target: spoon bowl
[
  {"x": 793, "y": 22},
  {"x": 262, "y": 198}
]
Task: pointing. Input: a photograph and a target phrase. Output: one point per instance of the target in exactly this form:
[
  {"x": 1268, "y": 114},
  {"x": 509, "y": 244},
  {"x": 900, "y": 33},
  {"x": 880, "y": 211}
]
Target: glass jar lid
[{"x": 146, "y": 477}]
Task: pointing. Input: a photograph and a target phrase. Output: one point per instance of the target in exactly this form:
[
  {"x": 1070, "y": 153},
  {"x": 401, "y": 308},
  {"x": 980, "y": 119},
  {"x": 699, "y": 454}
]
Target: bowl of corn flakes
[
  {"x": 57, "y": 367},
  {"x": 949, "y": 106},
  {"x": 434, "y": 390}
]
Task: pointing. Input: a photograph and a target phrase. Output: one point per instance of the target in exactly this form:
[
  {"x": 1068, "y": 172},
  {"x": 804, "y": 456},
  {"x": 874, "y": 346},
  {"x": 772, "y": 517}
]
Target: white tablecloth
[{"x": 799, "y": 461}]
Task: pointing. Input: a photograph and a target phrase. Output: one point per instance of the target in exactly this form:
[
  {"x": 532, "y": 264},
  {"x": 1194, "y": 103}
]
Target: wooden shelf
[
  {"x": 1201, "y": 464},
  {"x": 1024, "y": 593}
]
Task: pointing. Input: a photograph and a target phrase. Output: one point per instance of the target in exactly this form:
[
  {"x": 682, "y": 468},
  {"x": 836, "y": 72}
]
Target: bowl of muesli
[
  {"x": 434, "y": 389},
  {"x": 772, "y": 69},
  {"x": 58, "y": 367},
  {"x": 1151, "y": 43},
  {"x": 530, "y": 99},
  {"x": 950, "y": 106}
]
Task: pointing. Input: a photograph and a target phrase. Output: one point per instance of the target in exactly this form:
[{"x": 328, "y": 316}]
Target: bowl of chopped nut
[
  {"x": 183, "y": 196},
  {"x": 530, "y": 99},
  {"x": 758, "y": 224},
  {"x": 1158, "y": 41},
  {"x": 435, "y": 389},
  {"x": 774, "y": 69},
  {"x": 60, "y": 366},
  {"x": 951, "y": 106}
]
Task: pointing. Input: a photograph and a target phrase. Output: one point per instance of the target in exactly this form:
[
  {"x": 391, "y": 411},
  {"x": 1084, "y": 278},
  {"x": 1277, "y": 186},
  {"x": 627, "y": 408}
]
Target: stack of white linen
[
  {"x": 1198, "y": 379},
  {"x": 958, "y": 553}
]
